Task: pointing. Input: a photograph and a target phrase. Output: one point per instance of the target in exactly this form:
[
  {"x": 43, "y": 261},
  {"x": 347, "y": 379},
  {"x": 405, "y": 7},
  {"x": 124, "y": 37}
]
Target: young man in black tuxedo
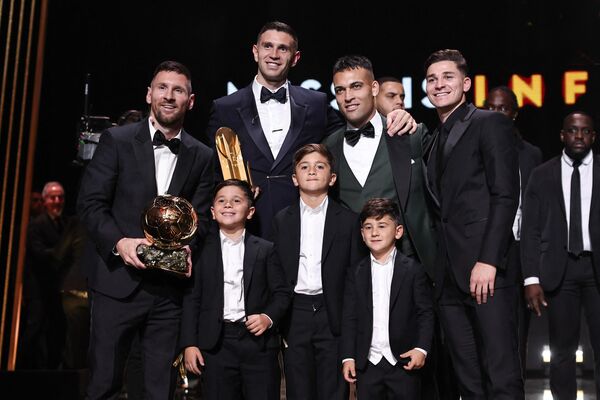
[
  {"x": 559, "y": 249},
  {"x": 388, "y": 321},
  {"x": 473, "y": 179},
  {"x": 503, "y": 99},
  {"x": 231, "y": 316},
  {"x": 132, "y": 165},
  {"x": 317, "y": 241}
]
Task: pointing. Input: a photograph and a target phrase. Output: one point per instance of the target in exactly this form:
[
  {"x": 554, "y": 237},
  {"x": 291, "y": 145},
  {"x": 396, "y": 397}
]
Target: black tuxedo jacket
[
  {"x": 311, "y": 120},
  {"x": 265, "y": 291},
  {"x": 405, "y": 153},
  {"x": 118, "y": 184},
  {"x": 411, "y": 318},
  {"x": 341, "y": 247},
  {"x": 530, "y": 156},
  {"x": 544, "y": 230},
  {"x": 478, "y": 195}
]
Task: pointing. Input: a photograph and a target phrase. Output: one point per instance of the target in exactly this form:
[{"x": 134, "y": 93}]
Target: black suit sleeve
[
  {"x": 96, "y": 196},
  {"x": 500, "y": 161},
  {"x": 281, "y": 293},
  {"x": 191, "y": 308},
  {"x": 202, "y": 200},
  {"x": 349, "y": 317},
  {"x": 531, "y": 227},
  {"x": 424, "y": 309}
]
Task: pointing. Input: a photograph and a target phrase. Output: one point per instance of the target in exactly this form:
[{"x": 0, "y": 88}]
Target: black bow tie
[
  {"x": 353, "y": 135},
  {"x": 159, "y": 140},
  {"x": 279, "y": 95}
]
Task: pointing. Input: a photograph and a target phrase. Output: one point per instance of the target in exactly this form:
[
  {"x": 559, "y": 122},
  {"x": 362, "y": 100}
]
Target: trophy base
[{"x": 172, "y": 261}]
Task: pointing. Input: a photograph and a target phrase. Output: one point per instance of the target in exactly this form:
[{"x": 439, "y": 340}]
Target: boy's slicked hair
[
  {"x": 245, "y": 186},
  {"x": 448, "y": 55},
  {"x": 313, "y": 148},
  {"x": 378, "y": 208}
]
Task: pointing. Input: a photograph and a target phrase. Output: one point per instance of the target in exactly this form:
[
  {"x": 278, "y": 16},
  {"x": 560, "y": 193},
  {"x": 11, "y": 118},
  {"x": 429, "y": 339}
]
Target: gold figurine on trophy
[{"x": 230, "y": 156}]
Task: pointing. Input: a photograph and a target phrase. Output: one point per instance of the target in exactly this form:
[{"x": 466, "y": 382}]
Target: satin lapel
[
  {"x": 298, "y": 115},
  {"x": 400, "y": 161},
  {"x": 250, "y": 254},
  {"x": 457, "y": 132},
  {"x": 185, "y": 160},
  {"x": 365, "y": 283},
  {"x": 431, "y": 176},
  {"x": 294, "y": 239},
  {"x": 558, "y": 184},
  {"x": 249, "y": 115},
  {"x": 330, "y": 231},
  {"x": 397, "y": 278},
  {"x": 212, "y": 247},
  {"x": 144, "y": 155}
]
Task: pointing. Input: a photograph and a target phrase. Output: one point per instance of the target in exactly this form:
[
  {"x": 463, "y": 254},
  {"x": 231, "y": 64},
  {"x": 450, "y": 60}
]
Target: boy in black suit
[
  {"x": 239, "y": 296},
  {"x": 315, "y": 239},
  {"x": 388, "y": 312}
]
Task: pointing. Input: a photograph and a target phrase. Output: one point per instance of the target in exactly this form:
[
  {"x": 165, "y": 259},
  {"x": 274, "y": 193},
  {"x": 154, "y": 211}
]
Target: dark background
[{"x": 120, "y": 43}]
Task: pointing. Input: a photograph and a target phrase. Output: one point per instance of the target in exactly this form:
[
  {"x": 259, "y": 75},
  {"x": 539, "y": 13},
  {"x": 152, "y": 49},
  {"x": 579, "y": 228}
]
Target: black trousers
[
  {"x": 482, "y": 340},
  {"x": 153, "y": 311},
  {"x": 385, "y": 381},
  {"x": 578, "y": 290},
  {"x": 241, "y": 367},
  {"x": 312, "y": 365}
]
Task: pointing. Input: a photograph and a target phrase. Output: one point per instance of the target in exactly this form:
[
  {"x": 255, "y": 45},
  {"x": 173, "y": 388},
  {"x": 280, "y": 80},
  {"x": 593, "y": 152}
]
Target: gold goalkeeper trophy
[{"x": 230, "y": 156}]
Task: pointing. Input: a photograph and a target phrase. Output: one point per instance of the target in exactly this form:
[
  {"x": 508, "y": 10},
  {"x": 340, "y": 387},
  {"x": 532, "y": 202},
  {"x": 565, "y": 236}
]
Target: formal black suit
[
  {"x": 530, "y": 156},
  {"x": 473, "y": 179},
  {"x": 405, "y": 158},
  {"x": 311, "y": 120},
  {"x": 117, "y": 185},
  {"x": 312, "y": 333},
  {"x": 568, "y": 282},
  {"x": 265, "y": 291},
  {"x": 411, "y": 318}
]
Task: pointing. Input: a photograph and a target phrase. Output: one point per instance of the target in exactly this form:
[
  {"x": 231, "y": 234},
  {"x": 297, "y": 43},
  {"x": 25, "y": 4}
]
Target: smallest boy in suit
[
  {"x": 230, "y": 316},
  {"x": 388, "y": 318}
]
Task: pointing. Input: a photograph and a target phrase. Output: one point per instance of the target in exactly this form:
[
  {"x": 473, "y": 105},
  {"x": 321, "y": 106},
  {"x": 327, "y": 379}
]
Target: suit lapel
[
  {"x": 429, "y": 169},
  {"x": 250, "y": 254},
  {"x": 144, "y": 154},
  {"x": 249, "y": 115},
  {"x": 294, "y": 234},
  {"x": 365, "y": 285},
  {"x": 330, "y": 231},
  {"x": 185, "y": 159},
  {"x": 397, "y": 278},
  {"x": 212, "y": 248},
  {"x": 558, "y": 184},
  {"x": 457, "y": 132},
  {"x": 595, "y": 189},
  {"x": 399, "y": 152},
  {"x": 298, "y": 114}
]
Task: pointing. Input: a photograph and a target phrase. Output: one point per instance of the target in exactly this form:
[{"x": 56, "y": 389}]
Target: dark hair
[
  {"x": 279, "y": 27},
  {"x": 174, "y": 66},
  {"x": 583, "y": 113},
  {"x": 514, "y": 103},
  {"x": 245, "y": 186},
  {"x": 353, "y": 62},
  {"x": 384, "y": 79},
  {"x": 448, "y": 55},
  {"x": 130, "y": 116},
  {"x": 313, "y": 148},
  {"x": 378, "y": 208}
]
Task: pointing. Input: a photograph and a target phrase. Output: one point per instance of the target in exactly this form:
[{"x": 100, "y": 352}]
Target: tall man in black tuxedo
[
  {"x": 274, "y": 118},
  {"x": 503, "y": 99},
  {"x": 364, "y": 153},
  {"x": 559, "y": 243},
  {"x": 132, "y": 164},
  {"x": 473, "y": 178}
]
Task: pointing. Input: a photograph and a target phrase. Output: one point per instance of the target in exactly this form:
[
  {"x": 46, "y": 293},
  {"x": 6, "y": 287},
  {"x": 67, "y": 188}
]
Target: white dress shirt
[
  {"x": 312, "y": 225},
  {"x": 360, "y": 156},
  {"x": 164, "y": 163},
  {"x": 586, "y": 170},
  {"x": 275, "y": 117},
  {"x": 233, "y": 277}
]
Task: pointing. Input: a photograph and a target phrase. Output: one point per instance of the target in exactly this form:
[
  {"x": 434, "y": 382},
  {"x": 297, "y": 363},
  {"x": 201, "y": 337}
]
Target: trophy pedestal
[{"x": 173, "y": 261}]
